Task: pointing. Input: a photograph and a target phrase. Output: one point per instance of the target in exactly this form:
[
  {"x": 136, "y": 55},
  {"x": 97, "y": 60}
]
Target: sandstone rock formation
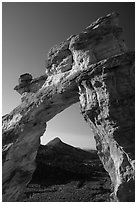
[{"x": 95, "y": 68}]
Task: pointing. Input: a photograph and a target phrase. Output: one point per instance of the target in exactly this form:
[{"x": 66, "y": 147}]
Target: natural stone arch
[{"x": 93, "y": 74}]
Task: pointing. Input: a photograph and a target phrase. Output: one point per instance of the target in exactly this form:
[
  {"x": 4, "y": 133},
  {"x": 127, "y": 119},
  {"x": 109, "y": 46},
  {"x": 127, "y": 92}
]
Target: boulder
[{"x": 25, "y": 79}]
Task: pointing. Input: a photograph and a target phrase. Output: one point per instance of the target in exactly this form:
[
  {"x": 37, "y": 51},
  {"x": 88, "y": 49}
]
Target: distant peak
[{"x": 55, "y": 141}]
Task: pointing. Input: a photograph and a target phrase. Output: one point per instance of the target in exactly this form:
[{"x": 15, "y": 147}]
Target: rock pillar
[
  {"x": 19, "y": 157},
  {"x": 107, "y": 104}
]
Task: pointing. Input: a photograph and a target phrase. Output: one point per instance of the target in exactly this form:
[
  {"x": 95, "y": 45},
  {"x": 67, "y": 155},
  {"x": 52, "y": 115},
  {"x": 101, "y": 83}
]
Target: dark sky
[{"x": 29, "y": 30}]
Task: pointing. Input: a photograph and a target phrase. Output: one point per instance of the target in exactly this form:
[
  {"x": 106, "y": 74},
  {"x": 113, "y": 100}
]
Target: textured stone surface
[
  {"x": 107, "y": 104},
  {"x": 96, "y": 68},
  {"x": 30, "y": 85}
]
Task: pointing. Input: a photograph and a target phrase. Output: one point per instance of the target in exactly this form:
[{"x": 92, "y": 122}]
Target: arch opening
[{"x": 71, "y": 128}]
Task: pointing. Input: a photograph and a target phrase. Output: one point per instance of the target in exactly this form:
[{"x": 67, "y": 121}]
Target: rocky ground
[{"x": 58, "y": 185}]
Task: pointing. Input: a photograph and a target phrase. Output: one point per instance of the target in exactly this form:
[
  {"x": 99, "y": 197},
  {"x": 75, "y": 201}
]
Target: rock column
[
  {"x": 20, "y": 145},
  {"x": 107, "y": 104}
]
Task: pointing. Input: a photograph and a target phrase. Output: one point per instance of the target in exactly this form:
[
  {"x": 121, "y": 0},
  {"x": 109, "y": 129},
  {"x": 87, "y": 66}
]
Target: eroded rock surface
[
  {"x": 95, "y": 68},
  {"x": 107, "y": 104}
]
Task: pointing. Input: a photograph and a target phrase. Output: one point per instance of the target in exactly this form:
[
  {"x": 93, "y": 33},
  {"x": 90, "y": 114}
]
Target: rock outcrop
[
  {"x": 107, "y": 104},
  {"x": 95, "y": 68},
  {"x": 58, "y": 154}
]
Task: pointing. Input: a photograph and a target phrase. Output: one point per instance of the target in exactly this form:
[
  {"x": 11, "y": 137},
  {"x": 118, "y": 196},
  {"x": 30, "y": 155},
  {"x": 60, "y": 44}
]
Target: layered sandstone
[{"x": 95, "y": 68}]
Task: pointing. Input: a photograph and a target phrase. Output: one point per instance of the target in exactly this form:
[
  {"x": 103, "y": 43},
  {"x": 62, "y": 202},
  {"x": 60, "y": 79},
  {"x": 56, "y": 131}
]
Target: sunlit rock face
[
  {"x": 107, "y": 104},
  {"x": 95, "y": 68},
  {"x": 59, "y": 59}
]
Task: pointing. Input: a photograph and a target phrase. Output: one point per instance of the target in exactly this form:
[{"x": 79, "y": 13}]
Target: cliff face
[{"x": 95, "y": 68}]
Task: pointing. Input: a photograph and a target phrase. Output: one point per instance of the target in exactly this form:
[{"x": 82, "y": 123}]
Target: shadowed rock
[{"x": 58, "y": 154}]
